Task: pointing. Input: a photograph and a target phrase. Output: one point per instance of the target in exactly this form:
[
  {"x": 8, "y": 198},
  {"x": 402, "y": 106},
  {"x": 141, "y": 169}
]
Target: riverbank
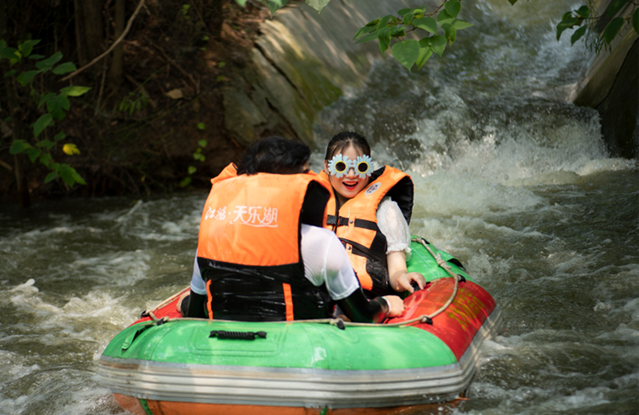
[{"x": 140, "y": 137}]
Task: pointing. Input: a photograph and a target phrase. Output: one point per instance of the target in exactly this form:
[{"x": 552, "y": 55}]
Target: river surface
[{"x": 510, "y": 178}]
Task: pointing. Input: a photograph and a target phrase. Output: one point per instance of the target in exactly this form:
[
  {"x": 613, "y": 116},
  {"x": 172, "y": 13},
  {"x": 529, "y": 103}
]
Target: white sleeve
[
  {"x": 393, "y": 225},
  {"x": 198, "y": 285},
  {"x": 326, "y": 261}
]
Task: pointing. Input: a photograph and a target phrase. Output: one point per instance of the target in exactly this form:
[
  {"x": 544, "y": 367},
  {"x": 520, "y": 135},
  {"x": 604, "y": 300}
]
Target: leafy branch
[
  {"x": 436, "y": 33},
  {"x": 587, "y": 20},
  {"x": 57, "y": 105}
]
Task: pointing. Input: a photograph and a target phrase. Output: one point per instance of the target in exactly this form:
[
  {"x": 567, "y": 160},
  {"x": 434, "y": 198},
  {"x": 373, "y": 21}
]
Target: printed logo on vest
[
  {"x": 256, "y": 216},
  {"x": 251, "y": 216},
  {"x": 217, "y": 214},
  {"x": 372, "y": 189}
]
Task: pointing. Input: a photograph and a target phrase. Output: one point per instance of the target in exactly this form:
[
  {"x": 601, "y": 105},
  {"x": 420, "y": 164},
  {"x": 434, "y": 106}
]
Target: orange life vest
[
  {"x": 249, "y": 248},
  {"x": 355, "y": 223}
]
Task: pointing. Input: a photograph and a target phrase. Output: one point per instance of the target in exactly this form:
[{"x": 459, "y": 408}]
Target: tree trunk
[
  {"x": 94, "y": 29},
  {"x": 217, "y": 18},
  {"x": 117, "y": 65},
  {"x": 77, "y": 17}
]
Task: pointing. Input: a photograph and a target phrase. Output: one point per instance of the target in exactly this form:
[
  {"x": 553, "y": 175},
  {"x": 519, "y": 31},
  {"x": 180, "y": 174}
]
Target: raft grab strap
[{"x": 237, "y": 335}]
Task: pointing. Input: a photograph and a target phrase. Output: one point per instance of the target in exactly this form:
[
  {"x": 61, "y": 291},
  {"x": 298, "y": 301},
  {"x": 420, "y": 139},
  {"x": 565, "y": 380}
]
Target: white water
[{"x": 509, "y": 178}]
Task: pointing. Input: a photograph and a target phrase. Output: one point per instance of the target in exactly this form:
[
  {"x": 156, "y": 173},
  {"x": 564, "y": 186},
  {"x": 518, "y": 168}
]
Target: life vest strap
[
  {"x": 361, "y": 250},
  {"x": 359, "y": 223}
]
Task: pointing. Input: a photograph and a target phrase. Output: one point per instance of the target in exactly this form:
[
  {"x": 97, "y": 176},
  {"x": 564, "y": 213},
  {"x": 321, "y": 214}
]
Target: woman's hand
[
  {"x": 404, "y": 281},
  {"x": 396, "y": 305},
  {"x": 399, "y": 278}
]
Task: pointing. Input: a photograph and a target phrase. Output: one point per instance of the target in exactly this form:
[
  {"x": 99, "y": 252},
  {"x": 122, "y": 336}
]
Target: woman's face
[{"x": 349, "y": 185}]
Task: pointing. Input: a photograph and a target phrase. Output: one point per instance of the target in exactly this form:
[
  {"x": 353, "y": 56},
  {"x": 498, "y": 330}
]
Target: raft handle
[{"x": 237, "y": 335}]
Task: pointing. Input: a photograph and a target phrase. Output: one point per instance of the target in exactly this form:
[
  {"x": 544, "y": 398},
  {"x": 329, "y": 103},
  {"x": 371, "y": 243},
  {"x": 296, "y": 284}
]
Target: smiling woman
[{"x": 370, "y": 212}]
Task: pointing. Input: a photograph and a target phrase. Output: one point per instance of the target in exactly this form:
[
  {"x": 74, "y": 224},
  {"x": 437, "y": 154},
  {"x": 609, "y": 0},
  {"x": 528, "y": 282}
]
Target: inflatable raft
[{"x": 165, "y": 364}]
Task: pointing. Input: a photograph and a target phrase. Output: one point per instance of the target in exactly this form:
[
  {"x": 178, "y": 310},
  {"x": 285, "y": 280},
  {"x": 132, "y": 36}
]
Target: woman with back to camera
[
  {"x": 263, "y": 254},
  {"x": 370, "y": 214}
]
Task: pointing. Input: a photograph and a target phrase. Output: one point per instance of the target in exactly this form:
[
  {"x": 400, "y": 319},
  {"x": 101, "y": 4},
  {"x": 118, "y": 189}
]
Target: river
[{"x": 509, "y": 177}]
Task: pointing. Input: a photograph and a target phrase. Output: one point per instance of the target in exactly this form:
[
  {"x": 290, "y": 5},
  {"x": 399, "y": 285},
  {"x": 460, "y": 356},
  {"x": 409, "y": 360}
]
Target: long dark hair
[
  {"x": 274, "y": 155},
  {"x": 344, "y": 140}
]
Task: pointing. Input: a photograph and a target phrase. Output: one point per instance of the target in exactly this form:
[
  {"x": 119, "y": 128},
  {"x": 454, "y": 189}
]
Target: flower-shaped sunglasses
[{"x": 340, "y": 165}]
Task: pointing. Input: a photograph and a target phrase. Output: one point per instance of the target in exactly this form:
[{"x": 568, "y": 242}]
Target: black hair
[
  {"x": 274, "y": 155},
  {"x": 344, "y": 140}
]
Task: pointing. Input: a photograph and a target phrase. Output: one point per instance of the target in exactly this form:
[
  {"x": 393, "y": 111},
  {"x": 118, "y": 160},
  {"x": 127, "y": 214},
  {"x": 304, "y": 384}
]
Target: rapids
[{"x": 509, "y": 177}]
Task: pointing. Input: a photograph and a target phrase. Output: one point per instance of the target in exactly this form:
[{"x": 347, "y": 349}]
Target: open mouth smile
[{"x": 350, "y": 185}]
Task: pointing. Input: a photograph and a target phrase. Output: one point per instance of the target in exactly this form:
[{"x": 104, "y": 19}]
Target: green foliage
[
  {"x": 587, "y": 21},
  {"x": 434, "y": 33},
  {"x": 133, "y": 101},
  {"x": 56, "y": 104},
  {"x": 442, "y": 30},
  {"x": 197, "y": 155}
]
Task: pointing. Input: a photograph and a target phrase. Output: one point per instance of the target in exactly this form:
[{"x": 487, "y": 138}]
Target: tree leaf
[
  {"x": 429, "y": 24},
  {"x": 18, "y": 146},
  {"x": 46, "y": 144},
  {"x": 384, "y": 21},
  {"x": 615, "y": 6},
  {"x": 27, "y": 47},
  {"x": 452, "y": 7},
  {"x": 185, "y": 182},
  {"x": 45, "y": 158},
  {"x": 175, "y": 94},
  {"x": 55, "y": 109},
  {"x": 70, "y": 149},
  {"x": 25, "y": 77},
  {"x": 450, "y": 32},
  {"x": 512, "y": 2},
  {"x": 578, "y": 34},
  {"x": 364, "y": 30},
  {"x": 10, "y": 53},
  {"x": 275, "y": 5},
  {"x": 635, "y": 21},
  {"x": 402, "y": 12},
  {"x": 77, "y": 176},
  {"x": 438, "y": 43},
  {"x": 425, "y": 52},
  {"x": 202, "y": 143},
  {"x": 398, "y": 31},
  {"x": 35, "y": 56},
  {"x": 408, "y": 17},
  {"x": 384, "y": 38},
  {"x": 64, "y": 68},
  {"x": 317, "y": 4},
  {"x": 460, "y": 24},
  {"x": 33, "y": 154},
  {"x": 10, "y": 73},
  {"x": 45, "y": 98},
  {"x": 59, "y": 136},
  {"x": 51, "y": 176},
  {"x": 368, "y": 37},
  {"x": 610, "y": 32},
  {"x": 566, "y": 23},
  {"x": 75, "y": 91},
  {"x": 406, "y": 52},
  {"x": 201, "y": 126},
  {"x": 443, "y": 16},
  {"x": 192, "y": 169},
  {"x": 67, "y": 175},
  {"x": 41, "y": 123},
  {"x": 50, "y": 61},
  {"x": 583, "y": 12},
  {"x": 64, "y": 101}
]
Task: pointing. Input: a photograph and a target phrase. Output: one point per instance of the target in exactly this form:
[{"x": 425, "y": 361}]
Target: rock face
[
  {"x": 302, "y": 62},
  {"x": 611, "y": 86}
]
